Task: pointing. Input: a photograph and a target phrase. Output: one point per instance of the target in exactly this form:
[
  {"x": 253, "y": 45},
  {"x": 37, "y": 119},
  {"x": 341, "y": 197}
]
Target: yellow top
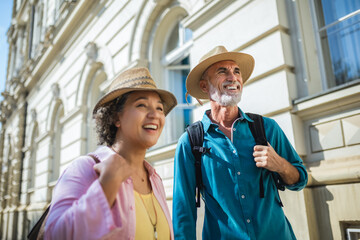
[{"x": 146, "y": 218}]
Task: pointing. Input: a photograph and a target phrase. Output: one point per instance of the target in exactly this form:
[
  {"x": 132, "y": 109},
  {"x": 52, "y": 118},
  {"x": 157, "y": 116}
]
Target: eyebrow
[{"x": 223, "y": 68}]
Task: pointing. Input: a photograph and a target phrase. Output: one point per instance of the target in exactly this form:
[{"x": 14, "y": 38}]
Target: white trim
[
  {"x": 178, "y": 53},
  {"x": 351, "y": 230},
  {"x": 339, "y": 20},
  {"x": 332, "y": 100}
]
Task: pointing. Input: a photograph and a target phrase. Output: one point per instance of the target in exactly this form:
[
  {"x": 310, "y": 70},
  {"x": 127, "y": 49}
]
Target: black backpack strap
[
  {"x": 196, "y": 137},
  {"x": 258, "y": 131}
]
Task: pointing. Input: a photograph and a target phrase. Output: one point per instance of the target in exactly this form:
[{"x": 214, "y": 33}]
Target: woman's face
[{"x": 142, "y": 119}]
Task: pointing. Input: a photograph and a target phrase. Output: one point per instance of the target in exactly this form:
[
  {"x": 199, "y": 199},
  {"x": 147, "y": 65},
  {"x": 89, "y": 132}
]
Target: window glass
[
  {"x": 177, "y": 68},
  {"x": 339, "y": 32}
]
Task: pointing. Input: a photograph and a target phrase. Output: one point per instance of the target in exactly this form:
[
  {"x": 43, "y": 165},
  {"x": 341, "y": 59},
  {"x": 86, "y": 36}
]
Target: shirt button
[
  {"x": 234, "y": 129},
  {"x": 238, "y": 173},
  {"x": 131, "y": 207},
  {"x": 242, "y": 196},
  {"x": 234, "y": 151},
  {"x": 248, "y": 221}
]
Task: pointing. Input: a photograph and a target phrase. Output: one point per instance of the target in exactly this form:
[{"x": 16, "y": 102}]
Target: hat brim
[
  {"x": 245, "y": 62},
  {"x": 168, "y": 99}
]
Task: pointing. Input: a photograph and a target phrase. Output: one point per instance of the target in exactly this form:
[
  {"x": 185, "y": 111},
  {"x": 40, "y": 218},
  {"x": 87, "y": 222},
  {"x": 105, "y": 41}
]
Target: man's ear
[{"x": 204, "y": 85}]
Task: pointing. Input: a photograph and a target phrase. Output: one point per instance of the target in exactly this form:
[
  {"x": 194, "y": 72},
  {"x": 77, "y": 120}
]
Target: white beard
[{"x": 224, "y": 99}]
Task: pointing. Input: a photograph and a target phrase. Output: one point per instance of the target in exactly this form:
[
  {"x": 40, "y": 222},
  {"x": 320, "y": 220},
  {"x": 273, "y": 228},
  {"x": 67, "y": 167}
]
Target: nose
[
  {"x": 154, "y": 112},
  {"x": 231, "y": 76}
]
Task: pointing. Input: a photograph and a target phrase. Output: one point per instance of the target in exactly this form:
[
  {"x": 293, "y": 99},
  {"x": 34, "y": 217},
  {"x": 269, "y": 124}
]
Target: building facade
[{"x": 63, "y": 55}]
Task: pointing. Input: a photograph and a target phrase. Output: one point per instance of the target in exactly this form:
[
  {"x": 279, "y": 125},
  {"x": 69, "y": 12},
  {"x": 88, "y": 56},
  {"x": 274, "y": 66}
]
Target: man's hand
[{"x": 266, "y": 157}]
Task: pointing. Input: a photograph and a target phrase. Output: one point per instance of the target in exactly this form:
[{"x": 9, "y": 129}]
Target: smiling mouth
[
  {"x": 231, "y": 87},
  {"x": 151, "y": 126}
]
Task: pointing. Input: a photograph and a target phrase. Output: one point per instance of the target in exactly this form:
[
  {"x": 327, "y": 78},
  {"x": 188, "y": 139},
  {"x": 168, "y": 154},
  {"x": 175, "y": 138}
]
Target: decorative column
[{"x": 18, "y": 158}]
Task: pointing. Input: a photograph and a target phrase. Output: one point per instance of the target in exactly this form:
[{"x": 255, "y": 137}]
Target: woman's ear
[
  {"x": 204, "y": 85},
  {"x": 117, "y": 122}
]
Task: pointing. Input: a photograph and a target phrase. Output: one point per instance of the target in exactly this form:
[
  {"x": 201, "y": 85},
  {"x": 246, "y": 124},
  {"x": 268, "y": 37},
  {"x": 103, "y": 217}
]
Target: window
[
  {"x": 32, "y": 160},
  {"x": 350, "y": 230},
  {"x": 36, "y": 30},
  {"x": 58, "y": 4},
  {"x": 353, "y": 233},
  {"x": 338, "y": 36},
  {"x": 177, "y": 67},
  {"x": 56, "y": 144},
  {"x": 93, "y": 95}
]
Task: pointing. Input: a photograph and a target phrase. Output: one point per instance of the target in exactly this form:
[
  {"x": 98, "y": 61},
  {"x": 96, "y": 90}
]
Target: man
[{"x": 231, "y": 170}]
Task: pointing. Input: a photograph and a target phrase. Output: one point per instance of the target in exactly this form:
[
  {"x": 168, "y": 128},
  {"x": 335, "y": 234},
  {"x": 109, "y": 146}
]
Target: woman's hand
[{"x": 112, "y": 172}]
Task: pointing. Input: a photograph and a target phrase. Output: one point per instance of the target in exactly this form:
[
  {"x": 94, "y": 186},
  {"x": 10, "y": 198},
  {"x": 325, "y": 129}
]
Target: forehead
[
  {"x": 144, "y": 95},
  {"x": 224, "y": 64}
]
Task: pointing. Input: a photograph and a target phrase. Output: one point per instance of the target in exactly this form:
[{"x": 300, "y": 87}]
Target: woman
[{"x": 121, "y": 197}]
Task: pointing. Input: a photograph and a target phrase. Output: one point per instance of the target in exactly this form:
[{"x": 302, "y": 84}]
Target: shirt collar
[{"x": 207, "y": 122}]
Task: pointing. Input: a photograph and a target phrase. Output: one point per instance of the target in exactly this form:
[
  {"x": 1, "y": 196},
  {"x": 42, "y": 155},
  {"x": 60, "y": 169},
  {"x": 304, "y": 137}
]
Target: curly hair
[{"x": 105, "y": 118}]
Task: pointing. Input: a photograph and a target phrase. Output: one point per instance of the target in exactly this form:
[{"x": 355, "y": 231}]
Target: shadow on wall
[{"x": 318, "y": 212}]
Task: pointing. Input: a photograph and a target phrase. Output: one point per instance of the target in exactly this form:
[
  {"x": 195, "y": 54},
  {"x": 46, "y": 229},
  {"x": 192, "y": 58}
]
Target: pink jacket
[{"x": 79, "y": 208}]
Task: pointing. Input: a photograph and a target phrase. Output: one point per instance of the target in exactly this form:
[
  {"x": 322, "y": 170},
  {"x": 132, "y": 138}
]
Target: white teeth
[
  {"x": 231, "y": 88},
  {"x": 151, "y": 126}
]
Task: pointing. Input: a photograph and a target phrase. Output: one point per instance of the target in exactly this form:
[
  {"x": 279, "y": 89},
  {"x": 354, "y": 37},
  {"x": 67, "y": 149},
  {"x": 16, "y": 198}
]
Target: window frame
[
  {"x": 169, "y": 62},
  {"x": 325, "y": 82}
]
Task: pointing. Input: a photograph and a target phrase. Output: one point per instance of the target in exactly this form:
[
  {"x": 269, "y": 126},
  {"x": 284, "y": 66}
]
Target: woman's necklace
[
  {"x": 142, "y": 178},
  {"x": 153, "y": 205}
]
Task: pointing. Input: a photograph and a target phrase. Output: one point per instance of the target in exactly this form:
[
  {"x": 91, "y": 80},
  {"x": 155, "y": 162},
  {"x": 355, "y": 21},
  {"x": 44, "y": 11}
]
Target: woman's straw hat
[
  {"x": 244, "y": 61},
  {"x": 136, "y": 79}
]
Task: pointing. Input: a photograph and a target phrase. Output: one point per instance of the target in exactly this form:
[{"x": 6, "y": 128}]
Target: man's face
[{"x": 223, "y": 82}]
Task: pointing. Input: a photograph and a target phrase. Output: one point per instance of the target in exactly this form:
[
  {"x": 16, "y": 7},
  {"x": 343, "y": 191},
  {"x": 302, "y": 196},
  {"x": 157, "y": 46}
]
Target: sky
[{"x": 5, "y": 20}]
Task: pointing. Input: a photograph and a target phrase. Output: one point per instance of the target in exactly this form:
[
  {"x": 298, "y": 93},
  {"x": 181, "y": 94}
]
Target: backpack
[
  {"x": 38, "y": 230},
  {"x": 196, "y": 137}
]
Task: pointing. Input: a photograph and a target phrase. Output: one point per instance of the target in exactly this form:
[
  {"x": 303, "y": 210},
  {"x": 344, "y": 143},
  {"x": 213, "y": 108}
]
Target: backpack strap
[
  {"x": 196, "y": 137},
  {"x": 94, "y": 157},
  {"x": 258, "y": 131}
]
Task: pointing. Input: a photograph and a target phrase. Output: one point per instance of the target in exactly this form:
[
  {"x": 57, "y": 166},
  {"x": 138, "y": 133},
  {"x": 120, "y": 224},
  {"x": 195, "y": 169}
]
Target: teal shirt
[{"x": 233, "y": 208}]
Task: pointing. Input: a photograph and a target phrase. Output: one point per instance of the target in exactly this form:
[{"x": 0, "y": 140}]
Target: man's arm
[
  {"x": 266, "y": 157},
  {"x": 280, "y": 157},
  {"x": 184, "y": 206}
]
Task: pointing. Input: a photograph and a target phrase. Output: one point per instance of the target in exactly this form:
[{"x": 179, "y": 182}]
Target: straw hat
[
  {"x": 136, "y": 79},
  {"x": 244, "y": 61}
]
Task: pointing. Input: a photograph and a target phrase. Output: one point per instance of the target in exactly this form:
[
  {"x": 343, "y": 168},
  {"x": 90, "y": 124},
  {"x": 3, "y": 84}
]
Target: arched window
[
  {"x": 7, "y": 175},
  {"x": 32, "y": 159},
  {"x": 169, "y": 65},
  {"x": 177, "y": 66},
  {"x": 56, "y": 144},
  {"x": 94, "y": 94},
  {"x": 36, "y": 29}
]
